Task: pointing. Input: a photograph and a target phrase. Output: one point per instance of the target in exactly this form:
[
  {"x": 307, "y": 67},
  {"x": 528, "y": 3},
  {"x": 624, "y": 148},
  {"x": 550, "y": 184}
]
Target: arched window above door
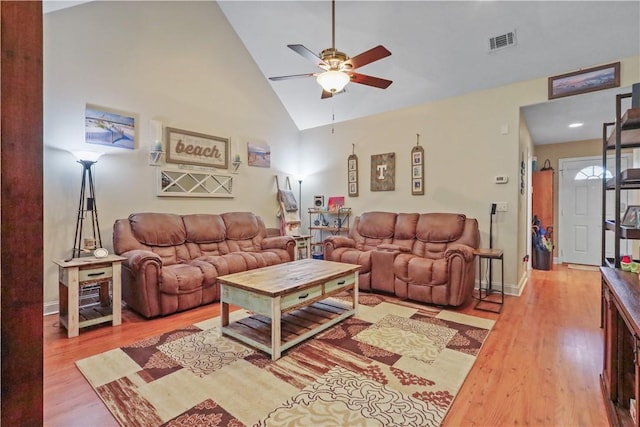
[{"x": 591, "y": 172}]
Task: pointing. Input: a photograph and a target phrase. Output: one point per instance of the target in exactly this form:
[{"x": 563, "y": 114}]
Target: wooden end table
[
  {"x": 289, "y": 301},
  {"x": 79, "y": 272}
]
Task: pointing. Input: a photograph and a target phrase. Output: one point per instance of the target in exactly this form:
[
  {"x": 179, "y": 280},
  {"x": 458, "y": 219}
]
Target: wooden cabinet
[
  {"x": 542, "y": 197},
  {"x": 620, "y": 379}
]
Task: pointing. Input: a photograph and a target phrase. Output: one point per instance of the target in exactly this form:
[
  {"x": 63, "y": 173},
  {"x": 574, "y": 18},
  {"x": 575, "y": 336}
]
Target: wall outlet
[{"x": 502, "y": 206}]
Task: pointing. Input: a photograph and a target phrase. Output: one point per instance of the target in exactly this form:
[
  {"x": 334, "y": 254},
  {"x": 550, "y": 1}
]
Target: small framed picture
[
  {"x": 353, "y": 163},
  {"x": 353, "y": 188},
  {"x": 353, "y": 177},
  {"x": 631, "y": 217},
  {"x": 417, "y": 172},
  {"x": 417, "y": 186},
  {"x": 417, "y": 157}
]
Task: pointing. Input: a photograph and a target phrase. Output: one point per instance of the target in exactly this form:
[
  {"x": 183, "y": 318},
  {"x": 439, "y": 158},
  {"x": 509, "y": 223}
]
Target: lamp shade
[
  {"x": 91, "y": 156},
  {"x": 333, "y": 81}
]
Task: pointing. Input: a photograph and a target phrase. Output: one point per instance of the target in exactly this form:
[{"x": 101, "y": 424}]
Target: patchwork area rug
[{"x": 396, "y": 364}]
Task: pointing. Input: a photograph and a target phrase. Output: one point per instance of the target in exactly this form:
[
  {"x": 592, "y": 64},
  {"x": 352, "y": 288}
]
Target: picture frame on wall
[
  {"x": 106, "y": 126},
  {"x": 352, "y": 175},
  {"x": 585, "y": 80},
  {"x": 192, "y": 148},
  {"x": 417, "y": 170}
]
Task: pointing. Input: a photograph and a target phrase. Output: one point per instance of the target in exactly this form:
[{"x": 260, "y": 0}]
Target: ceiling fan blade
[
  {"x": 326, "y": 94},
  {"x": 369, "y": 56},
  {"x": 303, "y": 51},
  {"x": 370, "y": 81},
  {"x": 293, "y": 76}
]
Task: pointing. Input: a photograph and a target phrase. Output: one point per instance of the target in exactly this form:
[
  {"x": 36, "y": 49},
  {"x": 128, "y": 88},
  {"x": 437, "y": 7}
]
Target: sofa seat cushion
[
  {"x": 353, "y": 256},
  {"x": 181, "y": 279},
  {"x": 417, "y": 270}
]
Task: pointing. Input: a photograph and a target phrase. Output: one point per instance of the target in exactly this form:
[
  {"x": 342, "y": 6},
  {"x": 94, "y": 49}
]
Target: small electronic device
[
  {"x": 501, "y": 179},
  {"x": 318, "y": 201}
]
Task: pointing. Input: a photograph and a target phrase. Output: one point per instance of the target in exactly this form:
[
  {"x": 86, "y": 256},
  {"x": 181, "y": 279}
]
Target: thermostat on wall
[{"x": 501, "y": 179}]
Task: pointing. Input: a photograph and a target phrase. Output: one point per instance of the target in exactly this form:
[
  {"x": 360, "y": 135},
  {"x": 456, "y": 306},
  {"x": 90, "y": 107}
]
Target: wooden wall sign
[
  {"x": 352, "y": 175},
  {"x": 417, "y": 169},
  {"x": 383, "y": 172},
  {"x": 191, "y": 148}
]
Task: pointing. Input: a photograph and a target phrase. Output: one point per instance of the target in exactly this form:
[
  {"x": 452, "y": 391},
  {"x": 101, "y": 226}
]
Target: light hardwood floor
[{"x": 538, "y": 367}]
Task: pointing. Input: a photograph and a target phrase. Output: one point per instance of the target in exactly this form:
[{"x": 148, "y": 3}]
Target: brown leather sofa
[
  {"x": 173, "y": 261},
  {"x": 423, "y": 257}
]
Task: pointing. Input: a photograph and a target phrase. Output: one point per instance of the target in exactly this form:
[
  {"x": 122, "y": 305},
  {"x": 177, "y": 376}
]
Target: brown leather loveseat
[
  {"x": 173, "y": 261},
  {"x": 423, "y": 257}
]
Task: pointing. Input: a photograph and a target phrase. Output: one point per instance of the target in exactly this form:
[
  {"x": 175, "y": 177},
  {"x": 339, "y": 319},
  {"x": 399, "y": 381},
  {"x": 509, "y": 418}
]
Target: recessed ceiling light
[{"x": 576, "y": 125}]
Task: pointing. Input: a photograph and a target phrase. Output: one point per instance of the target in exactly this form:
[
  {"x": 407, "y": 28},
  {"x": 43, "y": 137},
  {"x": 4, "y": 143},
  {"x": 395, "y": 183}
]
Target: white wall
[
  {"x": 181, "y": 63},
  {"x": 178, "y": 62},
  {"x": 465, "y": 148}
]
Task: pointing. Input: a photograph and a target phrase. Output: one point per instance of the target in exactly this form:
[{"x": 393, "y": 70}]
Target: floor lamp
[{"x": 87, "y": 204}]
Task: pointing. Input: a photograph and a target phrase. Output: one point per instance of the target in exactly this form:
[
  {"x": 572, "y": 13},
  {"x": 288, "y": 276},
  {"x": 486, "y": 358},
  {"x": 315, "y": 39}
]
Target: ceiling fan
[{"x": 339, "y": 67}]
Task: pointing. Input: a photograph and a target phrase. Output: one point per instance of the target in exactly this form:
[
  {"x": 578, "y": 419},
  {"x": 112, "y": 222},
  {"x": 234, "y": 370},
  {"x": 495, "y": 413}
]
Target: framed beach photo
[{"x": 113, "y": 128}]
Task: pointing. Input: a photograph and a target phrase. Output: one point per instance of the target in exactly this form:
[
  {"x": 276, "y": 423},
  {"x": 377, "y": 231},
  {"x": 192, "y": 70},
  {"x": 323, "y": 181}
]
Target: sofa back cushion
[
  {"x": 405, "y": 230},
  {"x": 435, "y": 231},
  {"x": 161, "y": 233},
  {"x": 373, "y": 228},
  {"x": 245, "y": 231},
  {"x": 206, "y": 234}
]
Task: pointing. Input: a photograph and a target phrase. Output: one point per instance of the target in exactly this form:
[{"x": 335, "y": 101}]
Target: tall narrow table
[{"x": 290, "y": 302}]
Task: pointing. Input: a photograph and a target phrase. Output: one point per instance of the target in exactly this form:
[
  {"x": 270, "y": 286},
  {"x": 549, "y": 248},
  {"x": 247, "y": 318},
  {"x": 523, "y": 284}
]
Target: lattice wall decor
[{"x": 192, "y": 183}]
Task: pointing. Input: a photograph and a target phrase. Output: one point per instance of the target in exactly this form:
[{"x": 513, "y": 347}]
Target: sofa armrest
[
  {"x": 459, "y": 249},
  {"x": 277, "y": 242},
  {"x": 340, "y": 242},
  {"x": 392, "y": 248},
  {"x": 286, "y": 243},
  {"x": 138, "y": 258}
]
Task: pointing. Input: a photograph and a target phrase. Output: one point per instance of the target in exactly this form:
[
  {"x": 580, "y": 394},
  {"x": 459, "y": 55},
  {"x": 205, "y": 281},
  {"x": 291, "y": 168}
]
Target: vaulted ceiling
[{"x": 440, "y": 49}]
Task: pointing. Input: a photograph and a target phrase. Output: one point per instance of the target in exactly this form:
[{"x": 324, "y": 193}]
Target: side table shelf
[
  {"x": 78, "y": 272},
  {"x": 485, "y": 301}
]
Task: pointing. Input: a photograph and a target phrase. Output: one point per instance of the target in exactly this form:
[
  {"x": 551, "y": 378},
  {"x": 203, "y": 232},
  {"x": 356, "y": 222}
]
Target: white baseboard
[{"x": 51, "y": 308}]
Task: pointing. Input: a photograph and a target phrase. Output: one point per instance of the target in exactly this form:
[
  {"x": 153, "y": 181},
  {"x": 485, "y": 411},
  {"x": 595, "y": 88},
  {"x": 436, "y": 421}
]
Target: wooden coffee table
[{"x": 289, "y": 302}]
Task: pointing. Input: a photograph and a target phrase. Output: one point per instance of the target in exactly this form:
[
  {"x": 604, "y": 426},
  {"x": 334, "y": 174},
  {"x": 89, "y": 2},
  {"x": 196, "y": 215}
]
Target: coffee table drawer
[
  {"x": 300, "y": 297},
  {"x": 340, "y": 282}
]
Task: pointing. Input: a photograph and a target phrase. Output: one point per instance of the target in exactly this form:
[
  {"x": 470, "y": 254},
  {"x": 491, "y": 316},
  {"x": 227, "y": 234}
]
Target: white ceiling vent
[{"x": 502, "y": 41}]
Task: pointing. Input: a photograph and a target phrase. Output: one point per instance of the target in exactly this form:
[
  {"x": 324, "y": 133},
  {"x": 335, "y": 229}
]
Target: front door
[{"x": 580, "y": 215}]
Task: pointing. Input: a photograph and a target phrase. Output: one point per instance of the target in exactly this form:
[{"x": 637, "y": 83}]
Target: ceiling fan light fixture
[{"x": 333, "y": 81}]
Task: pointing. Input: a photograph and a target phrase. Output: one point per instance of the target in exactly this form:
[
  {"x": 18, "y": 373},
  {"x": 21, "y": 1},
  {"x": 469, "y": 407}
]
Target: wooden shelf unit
[
  {"x": 318, "y": 230},
  {"x": 625, "y": 134},
  {"x": 620, "y": 317}
]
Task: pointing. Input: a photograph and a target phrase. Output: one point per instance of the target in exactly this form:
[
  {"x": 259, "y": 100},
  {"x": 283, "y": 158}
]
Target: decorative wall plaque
[
  {"x": 417, "y": 169},
  {"x": 383, "y": 172},
  {"x": 352, "y": 175}
]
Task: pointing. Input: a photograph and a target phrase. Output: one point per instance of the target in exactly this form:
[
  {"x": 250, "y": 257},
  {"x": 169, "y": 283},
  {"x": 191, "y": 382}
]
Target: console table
[{"x": 78, "y": 272}]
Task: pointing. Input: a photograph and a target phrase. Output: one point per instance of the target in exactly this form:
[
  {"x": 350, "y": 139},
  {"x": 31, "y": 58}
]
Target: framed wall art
[
  {"x": 352, "y": 175},
  {"x": 417, "y": 169},
  {"x": 105, "y": 126},
  {"x": 631, "y": 217},
  {"x": 383, "y": 172},
  {"x": 191, "y": 148},
  {"x": 586, "y": 80}
]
